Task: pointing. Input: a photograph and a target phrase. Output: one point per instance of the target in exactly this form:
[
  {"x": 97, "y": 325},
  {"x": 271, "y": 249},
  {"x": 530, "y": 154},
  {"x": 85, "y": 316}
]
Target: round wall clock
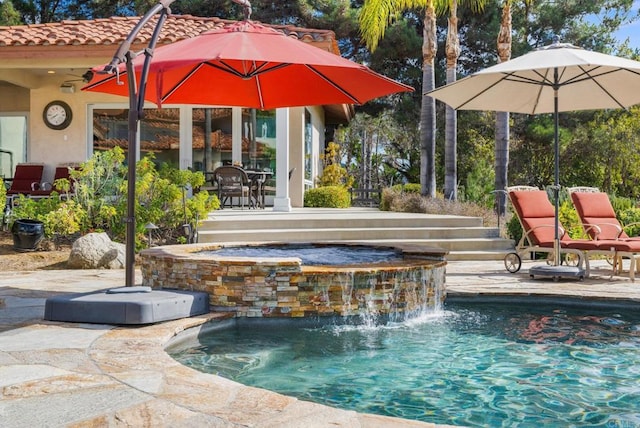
[{"x": 57, "y": 115}]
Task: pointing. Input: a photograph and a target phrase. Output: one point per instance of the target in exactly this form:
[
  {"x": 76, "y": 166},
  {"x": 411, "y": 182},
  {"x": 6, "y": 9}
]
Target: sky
[{"x": 632, "y": 31}]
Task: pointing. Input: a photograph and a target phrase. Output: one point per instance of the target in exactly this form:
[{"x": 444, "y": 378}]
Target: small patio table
[{"x": 258, "y": 192}]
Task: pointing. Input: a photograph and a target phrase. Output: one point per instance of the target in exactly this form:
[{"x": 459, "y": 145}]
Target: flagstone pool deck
[{"x": 56, "y": 374}]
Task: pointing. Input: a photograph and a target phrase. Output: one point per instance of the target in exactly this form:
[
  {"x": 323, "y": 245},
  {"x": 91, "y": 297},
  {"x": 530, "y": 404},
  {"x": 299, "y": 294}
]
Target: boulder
[{"x": 96, "y": 251}]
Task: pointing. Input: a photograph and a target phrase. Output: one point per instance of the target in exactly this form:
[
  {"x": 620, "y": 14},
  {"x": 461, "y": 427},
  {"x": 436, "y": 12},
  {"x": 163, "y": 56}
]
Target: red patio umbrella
[
  {"x": 244, "y": 64},
  {"x": 248, "y": 64}
]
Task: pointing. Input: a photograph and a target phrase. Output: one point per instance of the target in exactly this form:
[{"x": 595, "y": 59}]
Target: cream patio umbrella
[{"x": 556, "y": 78}]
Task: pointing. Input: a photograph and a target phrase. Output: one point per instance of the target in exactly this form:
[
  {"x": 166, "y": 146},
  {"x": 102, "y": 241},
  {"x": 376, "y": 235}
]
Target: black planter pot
[{"x": 27, "y": 234}]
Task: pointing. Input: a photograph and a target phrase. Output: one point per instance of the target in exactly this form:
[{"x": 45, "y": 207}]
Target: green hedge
[{"x": 327, "y": 197}]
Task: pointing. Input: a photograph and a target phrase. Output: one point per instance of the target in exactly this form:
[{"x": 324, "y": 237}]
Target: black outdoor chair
[{"x": 232, "y": 182}]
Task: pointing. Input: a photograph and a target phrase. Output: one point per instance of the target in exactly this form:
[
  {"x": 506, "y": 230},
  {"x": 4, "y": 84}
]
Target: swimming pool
[{"x": 473, "y": 365}]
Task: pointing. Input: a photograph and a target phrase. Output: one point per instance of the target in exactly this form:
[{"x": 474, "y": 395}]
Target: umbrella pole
[
  {"x": 136, "y": 112},
  {"x": 556, "y": 186},
  {"x": 556, "y": 271}
]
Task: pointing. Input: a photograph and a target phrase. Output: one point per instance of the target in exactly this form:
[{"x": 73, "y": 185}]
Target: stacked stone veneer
[{"x": 268, "y": 287}]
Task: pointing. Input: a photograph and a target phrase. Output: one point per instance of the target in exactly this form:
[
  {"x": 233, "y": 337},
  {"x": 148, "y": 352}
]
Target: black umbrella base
[{"x": 557, "y": 272}]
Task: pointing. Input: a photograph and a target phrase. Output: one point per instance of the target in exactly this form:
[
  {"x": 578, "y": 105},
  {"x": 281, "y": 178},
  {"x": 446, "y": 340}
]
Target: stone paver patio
[{"x": 60, "y": 374}]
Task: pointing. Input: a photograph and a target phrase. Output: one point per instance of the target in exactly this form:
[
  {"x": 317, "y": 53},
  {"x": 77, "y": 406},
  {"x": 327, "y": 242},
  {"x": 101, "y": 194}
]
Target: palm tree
[
  {"x": 502, "y": 118},
  {"x": 375, "y": 16},
  {"x": 452, "y": 50}
]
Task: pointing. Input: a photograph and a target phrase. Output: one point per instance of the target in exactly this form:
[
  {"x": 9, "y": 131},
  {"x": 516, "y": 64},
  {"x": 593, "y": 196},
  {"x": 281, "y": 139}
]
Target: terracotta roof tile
[{"x": 111, "y": 31}]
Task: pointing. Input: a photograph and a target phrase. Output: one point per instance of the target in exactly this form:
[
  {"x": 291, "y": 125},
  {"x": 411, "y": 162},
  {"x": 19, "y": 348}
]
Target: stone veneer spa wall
[{"x": 284, "y": 287}]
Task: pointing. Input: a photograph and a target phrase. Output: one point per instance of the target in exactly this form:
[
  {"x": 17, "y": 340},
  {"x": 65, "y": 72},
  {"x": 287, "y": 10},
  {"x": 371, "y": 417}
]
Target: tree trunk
[
  {"x": 451, "y": 129},
  {"x": 502, "y": 160},
  {"x": 428, "y": 109},
  {"x": 502, "y": 118}
]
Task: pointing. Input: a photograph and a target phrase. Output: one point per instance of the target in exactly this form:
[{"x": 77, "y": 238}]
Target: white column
[
  {"x": 236, "y": 135},
  {"x": 185, "y": 152},
  {"x": 296, "y": 155},
  {"x": 282, "y": 202},
  {"x": 318, "y": 120},
  {"x": 186, "y": 137}
]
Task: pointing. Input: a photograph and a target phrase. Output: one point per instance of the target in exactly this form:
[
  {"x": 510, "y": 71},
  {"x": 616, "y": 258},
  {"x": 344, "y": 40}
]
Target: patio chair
[
  {"x": 597, "y": 215},
  {"x": 537, "y": 218},
  {"x": 26, "y": 179},
  {"x": 232, "y": 182},
  {"x": 600, "y": 223}
]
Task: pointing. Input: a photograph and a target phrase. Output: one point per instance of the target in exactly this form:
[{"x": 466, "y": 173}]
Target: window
[{"x": 159, "y": 132}]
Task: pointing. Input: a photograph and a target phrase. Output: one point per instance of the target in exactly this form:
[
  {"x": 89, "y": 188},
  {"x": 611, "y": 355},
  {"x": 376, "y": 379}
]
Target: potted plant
[{"x": 27, "y": 234}]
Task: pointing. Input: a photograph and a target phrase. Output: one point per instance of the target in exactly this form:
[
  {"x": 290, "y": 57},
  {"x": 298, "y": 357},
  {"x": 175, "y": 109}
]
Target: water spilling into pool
[{"x": 474, "y": 365}]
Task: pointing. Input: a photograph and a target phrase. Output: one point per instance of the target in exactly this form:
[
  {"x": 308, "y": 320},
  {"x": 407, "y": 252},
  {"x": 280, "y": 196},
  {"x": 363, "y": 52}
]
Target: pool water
[{"x": 474, "y": 365}]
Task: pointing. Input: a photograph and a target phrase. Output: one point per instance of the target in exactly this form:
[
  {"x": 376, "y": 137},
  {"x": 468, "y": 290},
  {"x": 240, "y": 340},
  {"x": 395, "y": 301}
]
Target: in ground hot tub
[{"x": 279, "y": 280}]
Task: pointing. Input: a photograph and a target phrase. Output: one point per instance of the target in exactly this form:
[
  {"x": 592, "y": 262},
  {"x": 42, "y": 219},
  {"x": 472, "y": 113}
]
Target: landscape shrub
[
  {"x": 621, "y": 204},
  {"x": 630, "y": 219},
  {"x": 3, "y": 191},
  {"x": 327, "y": 197},
  {"x": 570, "y": 220},
  {"x": 393, "y": 199},
  {"x": 59, "y": 217},
  {"x": 333, "y": 173},
  {"x": 386, "y": 198},
  {"x": 514, "y": 229},
  {"x": 407, "y": 188}
]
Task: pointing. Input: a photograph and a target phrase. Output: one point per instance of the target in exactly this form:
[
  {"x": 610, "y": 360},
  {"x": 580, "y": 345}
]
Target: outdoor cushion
[
  {"x": 532, "y": 204},
  {"x": 595, "y": 209},
  {"x": 593, "y": 204}
]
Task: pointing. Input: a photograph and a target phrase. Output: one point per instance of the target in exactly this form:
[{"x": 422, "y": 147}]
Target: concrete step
[
  {"x": 353, "y": 233},
  {"x": 227, "y": 223},
  {"x": 463, "y": 237}
]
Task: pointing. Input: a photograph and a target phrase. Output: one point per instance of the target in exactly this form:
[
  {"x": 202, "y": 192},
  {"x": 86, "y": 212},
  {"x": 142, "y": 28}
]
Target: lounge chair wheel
[
  {"x": 512, "y": 262},
  {"x": 571, "y": 259}
]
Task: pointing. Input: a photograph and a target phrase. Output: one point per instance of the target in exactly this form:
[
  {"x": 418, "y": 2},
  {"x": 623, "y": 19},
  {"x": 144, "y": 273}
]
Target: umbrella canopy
[
  {"x": 585, "y": 80},
  {"x": 247, "y": 64},
  {"x": 559, "y": 77}
]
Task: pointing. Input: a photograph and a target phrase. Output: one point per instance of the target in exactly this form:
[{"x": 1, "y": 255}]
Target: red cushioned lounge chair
[
  {"x": 600, "y": 222},
  {"x": 537, "y": 217},
  {"x": 597, "y": 215}
]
